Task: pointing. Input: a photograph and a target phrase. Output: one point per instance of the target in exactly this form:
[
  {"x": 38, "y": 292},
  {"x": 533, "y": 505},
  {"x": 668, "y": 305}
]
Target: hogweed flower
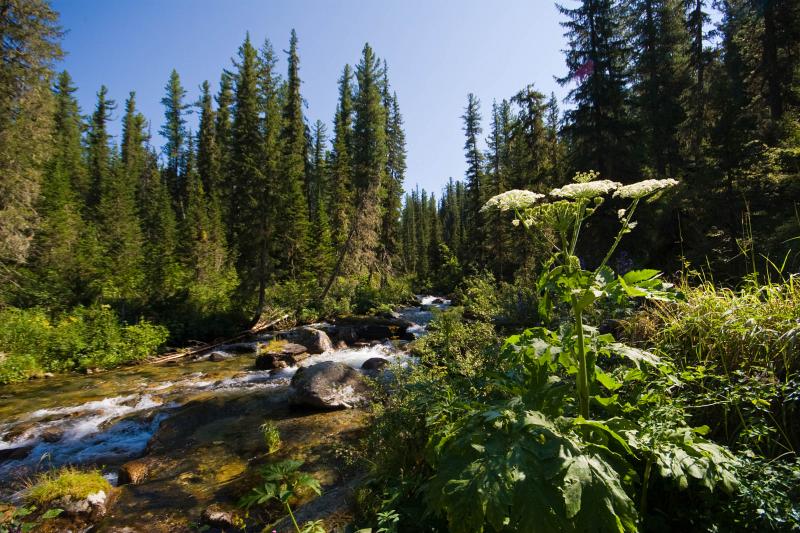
[
  {"x": 511, "y": 200},
  {"x": 644, "y": 188},
  {"x": 590, "y": 189}
]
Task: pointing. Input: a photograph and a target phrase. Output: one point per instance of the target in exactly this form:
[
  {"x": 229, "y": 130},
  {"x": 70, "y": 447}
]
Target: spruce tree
[
  {"x": 474, "y": 177},
  {"x": 223, "y": 128},
  {"x": 163, "y": 275},
  {"x": 28, "y": 49},
  {"x": 209, "y": 166},
  {"x": 660, "y": 49},
  {"x": 599, "y": 127},
  {"x": 341, "y": 175},
  {"x": 369, "y": 161},
  {"x": 56, "y": 250},
  {"x": 247, "y": 175},
  {"x": 294, "y": 228},
  {"x": 174, "y": 131},
  {"x": 203, "y": 246},
  {"x": 321, "y": 248},
  {"x": 98, "y": 149},
  {"x": 395, "y": 175}
]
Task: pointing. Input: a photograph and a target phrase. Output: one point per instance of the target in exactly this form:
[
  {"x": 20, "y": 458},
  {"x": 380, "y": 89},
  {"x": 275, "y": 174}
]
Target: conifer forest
[{"x": 233, "y": 318}]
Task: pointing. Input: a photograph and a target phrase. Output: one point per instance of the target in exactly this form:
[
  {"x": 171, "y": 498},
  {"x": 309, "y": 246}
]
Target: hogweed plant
[{"x": 553, "y": 456}]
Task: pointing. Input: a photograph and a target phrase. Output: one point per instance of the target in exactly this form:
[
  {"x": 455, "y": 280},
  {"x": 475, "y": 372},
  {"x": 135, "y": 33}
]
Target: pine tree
[
  {"x": 694, "y": 130},
  {"x": 293, "y": 199},
  {"x": 499, "y": 167},
  {"x": 474, "y": 177},
  {"x": 369, "y": 161},
  {"x": 161, "y": 271},
  {"x": 203, "y": 246},
  {"x": 174, "y": 131},
  {"x": 28, "y": 48},
  {"x": 209, "y": 166},
  {"x": 223, "y": 128},
  {"x": 598, "y": 127},
  {"x": 120, "y": 240},
  {"x": 98, "y": 150},
  {"x": 56, "y": 252},
  {"x": 247, "y": 178},
  {"x": 341, "y": 182},
  {"x": 661, "y": 44},
  {"x": 395, "y": 175},
  {"x": 320, "y": 234}
]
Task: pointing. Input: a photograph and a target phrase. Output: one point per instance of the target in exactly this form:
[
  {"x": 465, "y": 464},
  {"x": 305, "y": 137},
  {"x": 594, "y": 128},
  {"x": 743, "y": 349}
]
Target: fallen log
[{"x": 173, "y": 356}]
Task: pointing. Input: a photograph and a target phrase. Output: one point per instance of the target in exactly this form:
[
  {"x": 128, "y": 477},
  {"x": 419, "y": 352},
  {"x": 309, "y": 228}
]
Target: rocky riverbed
[{"x": 181, "y": 441}]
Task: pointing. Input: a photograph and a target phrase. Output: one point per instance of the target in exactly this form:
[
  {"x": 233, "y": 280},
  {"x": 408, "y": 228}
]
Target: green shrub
[
  {"x": 86, "y": 337},
  {"x": 464, "y": 348}
]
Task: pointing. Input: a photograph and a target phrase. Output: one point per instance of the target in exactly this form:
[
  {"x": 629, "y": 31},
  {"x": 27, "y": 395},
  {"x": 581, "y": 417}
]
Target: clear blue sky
[{"x": 437, "y": 52}]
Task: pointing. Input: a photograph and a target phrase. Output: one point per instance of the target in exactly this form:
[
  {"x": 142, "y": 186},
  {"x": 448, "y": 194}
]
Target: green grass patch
[{"x": 69, "y": 481}]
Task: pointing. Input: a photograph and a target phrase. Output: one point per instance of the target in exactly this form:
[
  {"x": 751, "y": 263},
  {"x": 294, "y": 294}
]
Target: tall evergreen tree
[
  {"x": 341, "y": 176},
  {"x": 474, "y": 176},
  {"x": 598, "y": 127},
  {"x": 28, "y": 48},
  {"x": 98, "y": 149},
  {"x": 160, "y": 268},
  {"x": 57, "y": 256},
  {"x": 209, "y": 166},
  {"x": 661, "y": 44},
  {"x": 294, "y": 216},
  {"x": 395, "y": 175},
  {"x": 320, "y": 244},
  {"x": 369, "y": 160},
  {"x": 174, "y": 131},
  {"x": 248, "y": 175}
]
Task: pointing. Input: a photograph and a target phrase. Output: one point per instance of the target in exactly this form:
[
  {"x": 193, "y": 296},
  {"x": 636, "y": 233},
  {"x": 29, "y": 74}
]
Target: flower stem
[
  {"x": 291, "y": 515},
  {"x": 583, "y": 374}
]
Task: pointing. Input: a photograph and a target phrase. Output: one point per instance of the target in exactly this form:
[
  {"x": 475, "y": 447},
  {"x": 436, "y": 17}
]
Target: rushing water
[{"x": 106, "y": 419}]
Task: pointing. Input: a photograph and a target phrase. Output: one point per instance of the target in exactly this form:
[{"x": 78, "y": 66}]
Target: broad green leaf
[
  {"x": 634, "y": 277},
  {"x": 634, "y": 355}
]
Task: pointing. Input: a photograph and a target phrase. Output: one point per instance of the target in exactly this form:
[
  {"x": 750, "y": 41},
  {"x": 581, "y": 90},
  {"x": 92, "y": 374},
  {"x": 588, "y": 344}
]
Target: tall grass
[{"x": 756, "y": 326}]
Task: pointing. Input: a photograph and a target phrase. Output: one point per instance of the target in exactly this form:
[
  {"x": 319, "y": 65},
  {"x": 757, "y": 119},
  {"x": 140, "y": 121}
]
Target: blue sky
[{"x": 437, "y": 52}]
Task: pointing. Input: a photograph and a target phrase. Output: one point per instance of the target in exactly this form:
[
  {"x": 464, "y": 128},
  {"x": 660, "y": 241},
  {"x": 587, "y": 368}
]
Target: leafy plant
[
  {"x": 272, "y": 437},
  {"x": 16, "y": 519},
  {"x": 284, "y": 483}
]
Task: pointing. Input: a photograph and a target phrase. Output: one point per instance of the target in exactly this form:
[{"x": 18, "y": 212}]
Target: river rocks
[
  {"x": 91, "y": 508},
  {"x": 15, "y": 454},
  {"x": 374, "y": 363},
  {"x": 215, "y": 516},
  {"x": 241, "y": 347},
  {"x": 289, "y": 352},
  {"x": 328, "y": 385},
  {"x": 315, "y": 340},
  {"x": 218, "y": 357},
  {"x": 370, "y": 328},
  {"x": 133, "y": 472},
  {"x": 52, "y": 434}
]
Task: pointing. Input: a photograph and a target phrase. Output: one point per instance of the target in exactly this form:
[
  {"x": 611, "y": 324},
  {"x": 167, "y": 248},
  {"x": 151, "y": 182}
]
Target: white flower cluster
[
  {"x": 644, "y": 188},
  {"x": 590, "y": 189},
  {"x": 514, "y": 199}
]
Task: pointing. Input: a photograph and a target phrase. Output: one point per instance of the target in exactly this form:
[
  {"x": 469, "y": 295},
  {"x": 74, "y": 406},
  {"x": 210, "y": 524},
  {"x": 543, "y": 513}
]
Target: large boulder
[
  {"x": 289, "y": 353},
  {"x": 317, "y": 341},
  {"x": 329, "y": 385},
  {"x": 374, "y": 363}
]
